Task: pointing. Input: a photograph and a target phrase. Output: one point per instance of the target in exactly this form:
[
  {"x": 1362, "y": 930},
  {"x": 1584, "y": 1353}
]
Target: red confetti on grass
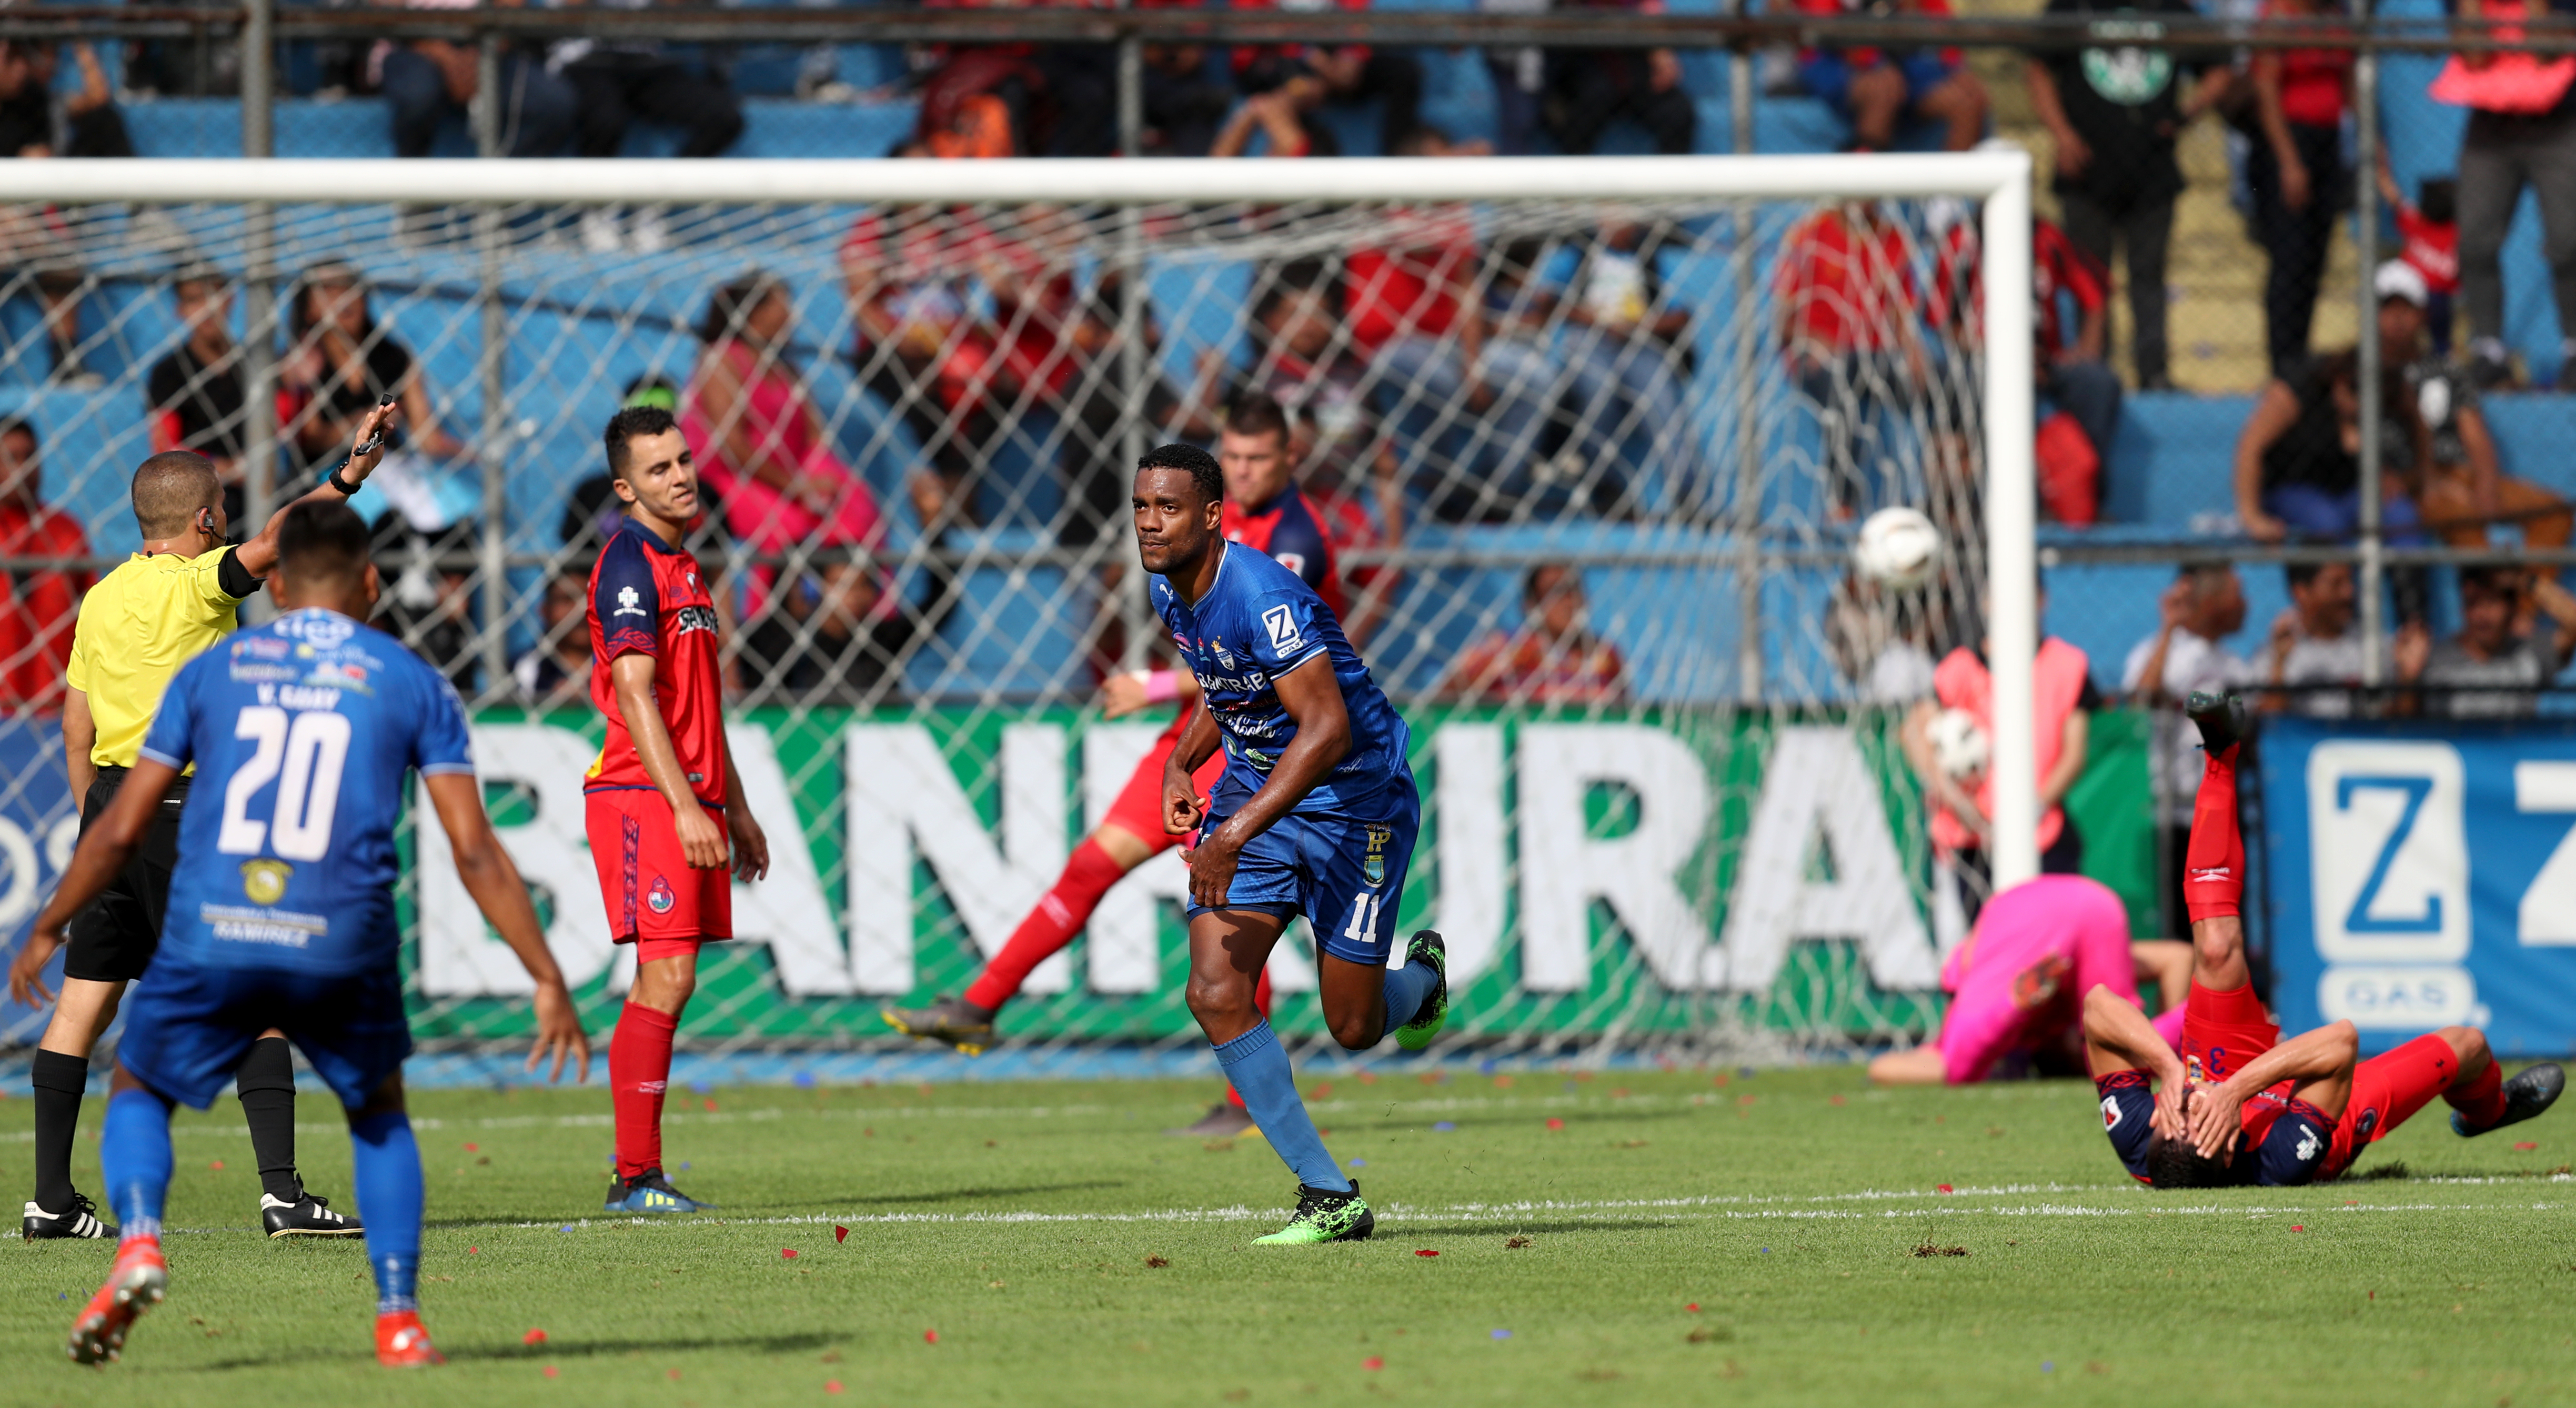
[
  {"x": 840, "y": 1233},
  {"x": 1373, "y": 1362},
  {"x": 469, "y": 1251},
  {"x": 710, "y": 1103},
  {"x": 533, "y": 1336},
  {"x": 1942, "y": 1188},
  {"x": 217, "y": 1165},
  {"x": 474, "y": 1148},
  {"x": 787, "y": 1252},
  {"x": 930, "y": 1337},
  {"x": 675, "y": 1375},
  {"x": 550, "y": 1371},
  {"x": 1425, "y": 1251},
  {"x": 2524, "y": 1147},
  {"x": 1836, "y": 1100},
  {"x": 1324, "y": 1090},
  {"x": 831, "y": 1385},
  {"x": 2297, "y": 1228},
  {"x": 1693, "y": 1307},
  {"x": 1554, "y": 1123}
]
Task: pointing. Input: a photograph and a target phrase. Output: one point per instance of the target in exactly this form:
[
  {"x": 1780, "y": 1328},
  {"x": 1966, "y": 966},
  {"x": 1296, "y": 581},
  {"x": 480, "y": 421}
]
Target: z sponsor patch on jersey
[{"x": 1285, "y": 639}]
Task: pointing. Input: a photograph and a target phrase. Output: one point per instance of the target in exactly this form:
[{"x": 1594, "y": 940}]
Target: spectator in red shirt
[
  {"x": 2298, "y": 176},
  {"x": 2071, "y": 307},
  {"x": 1850, "y": 332},
  {"x": 1552, "y": 659},
  {"x": 2428, "y": 230},
  {"x": 1877, "y": 88},
  {"x": 36, "y": 618}
]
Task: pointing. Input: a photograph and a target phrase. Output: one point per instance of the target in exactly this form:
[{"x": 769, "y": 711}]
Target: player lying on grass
[
  {"x": 1315, "y": 815},
  {"x": 2235, "y": 1104},
  {"x": 2014, "y": 982},
  {"x": 282, "y": 906},
  {"x": 1264, "y": 509}
]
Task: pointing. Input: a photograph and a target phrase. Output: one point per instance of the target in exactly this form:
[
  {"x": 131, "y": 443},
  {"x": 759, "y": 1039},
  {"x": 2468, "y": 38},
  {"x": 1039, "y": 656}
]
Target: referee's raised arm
[{"x": 259, "y": 554}]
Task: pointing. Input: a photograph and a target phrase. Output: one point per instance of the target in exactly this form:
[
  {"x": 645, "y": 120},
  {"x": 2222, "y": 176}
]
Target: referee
[{"x": 141, "y": 622}]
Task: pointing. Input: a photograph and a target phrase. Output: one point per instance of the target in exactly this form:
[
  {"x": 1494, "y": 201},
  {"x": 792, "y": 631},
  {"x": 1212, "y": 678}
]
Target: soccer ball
[
  {"x": 1960, "y": 747},
  {"x": 1898, "y": 549}
]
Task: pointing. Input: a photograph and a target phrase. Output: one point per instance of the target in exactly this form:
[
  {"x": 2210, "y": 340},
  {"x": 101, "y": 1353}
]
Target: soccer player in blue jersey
[
  {"x": 1315, "y": 815},
  {"x": 281, "y": 909}
]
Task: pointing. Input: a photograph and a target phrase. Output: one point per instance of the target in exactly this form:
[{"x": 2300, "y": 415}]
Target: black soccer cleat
[
  {"x": 953, "y": 1020},
  {"x": 308, "y": 1216},
  {"x": 78, "y": 1220},
  {"x": 2219, "y": 717},
  {"x": 2526, "y": 1095}
]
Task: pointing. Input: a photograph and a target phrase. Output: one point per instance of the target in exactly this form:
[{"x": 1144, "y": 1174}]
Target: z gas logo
[{"x": 2388, "y": 865}]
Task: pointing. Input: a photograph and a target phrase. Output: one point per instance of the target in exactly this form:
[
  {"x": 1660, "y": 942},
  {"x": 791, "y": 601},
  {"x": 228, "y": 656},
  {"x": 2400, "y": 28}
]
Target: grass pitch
[{"x": 1630, "y": 1237}]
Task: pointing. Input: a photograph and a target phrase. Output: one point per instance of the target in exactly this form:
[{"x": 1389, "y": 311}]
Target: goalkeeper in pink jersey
[{"x": 2017, "y": 982}]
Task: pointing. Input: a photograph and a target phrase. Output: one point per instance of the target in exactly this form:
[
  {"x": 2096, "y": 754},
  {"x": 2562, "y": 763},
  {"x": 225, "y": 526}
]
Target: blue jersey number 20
[{"x": 311, "y": 753}]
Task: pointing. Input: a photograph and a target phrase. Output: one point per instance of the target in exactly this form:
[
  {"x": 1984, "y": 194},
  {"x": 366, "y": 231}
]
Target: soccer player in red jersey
[
  {"x": 669, "y": 828},
  {"x": 1264, "y": 509},
  {"x": 2237, "y": 1104}
]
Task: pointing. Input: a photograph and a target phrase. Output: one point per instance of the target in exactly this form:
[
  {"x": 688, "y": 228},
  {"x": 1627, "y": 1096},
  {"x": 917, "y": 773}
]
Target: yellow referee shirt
[{"x": 137, "y": 627}]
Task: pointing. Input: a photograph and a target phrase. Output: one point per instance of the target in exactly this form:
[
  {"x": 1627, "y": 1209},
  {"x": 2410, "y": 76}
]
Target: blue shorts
[
  {"x": 1828, "y": 75},
  {"x": 187, "y": 1029},
  {"x": 1345, "y": 874}
]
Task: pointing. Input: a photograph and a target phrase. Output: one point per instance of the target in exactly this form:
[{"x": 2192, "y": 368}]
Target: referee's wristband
[{"x": 347, "y": 489}]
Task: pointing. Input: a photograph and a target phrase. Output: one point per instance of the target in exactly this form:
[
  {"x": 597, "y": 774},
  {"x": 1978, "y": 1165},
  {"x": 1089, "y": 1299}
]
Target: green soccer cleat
[
  {"x": 1427, "y": 948},
  {"x": 953, "y": 1020},
  {"x": 1324, "y": 1215}
]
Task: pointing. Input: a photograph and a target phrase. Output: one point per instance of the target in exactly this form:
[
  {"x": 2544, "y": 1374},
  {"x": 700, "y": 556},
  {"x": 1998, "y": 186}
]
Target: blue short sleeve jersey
[
  {"x": 302, "y": 732},
  {"x": 1258, "y": 621}
]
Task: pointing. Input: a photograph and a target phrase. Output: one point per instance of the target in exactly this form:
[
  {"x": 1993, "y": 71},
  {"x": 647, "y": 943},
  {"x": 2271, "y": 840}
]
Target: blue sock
[
  {"x": 134, "y": 1161},
  {"x": 1258, "y": 1066},
  {"x": 1407, "y": 988},
  {"x": 389, "y": 1198}
]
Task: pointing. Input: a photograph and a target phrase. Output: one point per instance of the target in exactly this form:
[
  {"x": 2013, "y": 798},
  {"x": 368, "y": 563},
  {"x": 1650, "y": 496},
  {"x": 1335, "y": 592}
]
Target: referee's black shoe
[
  {"x": 308, "y": 1216},
  {"x": 78, "y": 1220}
]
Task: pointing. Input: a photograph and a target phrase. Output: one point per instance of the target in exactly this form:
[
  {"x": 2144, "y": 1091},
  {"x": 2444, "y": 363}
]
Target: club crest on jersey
[
  {"x": 1224, "y": 656},
  {"x": 2110, "y": 1112},
  {"x": 1373, "y": 866},
  {"x": 264, "y": 881},
  {"x": 661, "y": 898},
  {"x": 629, "y": 603}
]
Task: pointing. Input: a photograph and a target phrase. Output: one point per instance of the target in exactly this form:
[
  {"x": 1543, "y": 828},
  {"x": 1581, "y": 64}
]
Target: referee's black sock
[
  {"x": 267, "y": 1084},
  {"x": 60, "y": 1081}
]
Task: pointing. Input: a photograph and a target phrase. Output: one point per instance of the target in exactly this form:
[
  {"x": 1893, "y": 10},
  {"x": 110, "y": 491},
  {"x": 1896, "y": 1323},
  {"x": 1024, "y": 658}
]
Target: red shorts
[
  {"x": 2222, "y": 1031},
  {"x": 1139, "y": 808},
  {"x": 645, "y": 880},
  {"x": 2387, "y": 1090}
]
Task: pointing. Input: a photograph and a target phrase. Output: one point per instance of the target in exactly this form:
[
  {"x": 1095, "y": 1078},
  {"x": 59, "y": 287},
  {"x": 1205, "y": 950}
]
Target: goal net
[{"x": 1590, "y": 442}]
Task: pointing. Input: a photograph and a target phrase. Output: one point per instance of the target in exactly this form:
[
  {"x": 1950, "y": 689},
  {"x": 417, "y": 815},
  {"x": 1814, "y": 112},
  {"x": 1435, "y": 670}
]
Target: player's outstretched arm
[
  {"x": 701, "y": 840},
  {"x": 493, "y": 880},
  {"x": 2319, "y": 1062},
  {"x": 259, "y": 556},
  {"x": 104, "y": 849},
  {"x": 1313, "y": 698}
]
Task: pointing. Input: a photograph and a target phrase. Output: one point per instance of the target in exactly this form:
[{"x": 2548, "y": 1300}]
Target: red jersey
[
  {"x": 647, "y": 597},
  {"x": 1291, "y": 529},
  {"x": 2061, "y": 274},
  {"x": 36, "y": 616},
  {"x": 1405, "y": 283},
  {"x": 2433, "y": 248},
  {"x": 1845, "y": 290}
]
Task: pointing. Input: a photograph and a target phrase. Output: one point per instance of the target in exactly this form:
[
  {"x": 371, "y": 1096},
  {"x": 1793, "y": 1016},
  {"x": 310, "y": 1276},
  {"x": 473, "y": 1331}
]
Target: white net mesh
[{"x": 1663, "y": 798}]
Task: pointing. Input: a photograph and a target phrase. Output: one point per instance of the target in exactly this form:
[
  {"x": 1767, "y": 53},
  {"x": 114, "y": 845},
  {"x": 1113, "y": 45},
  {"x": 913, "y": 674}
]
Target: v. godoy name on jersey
[
  {"x": 647, "y": 597},
  {"x": 301, "y": 732},
  {"x": 1258, "y": 621}
]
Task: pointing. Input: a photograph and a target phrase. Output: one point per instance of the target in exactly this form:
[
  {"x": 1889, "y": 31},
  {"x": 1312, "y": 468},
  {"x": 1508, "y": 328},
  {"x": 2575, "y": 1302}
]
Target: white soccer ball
[
  {"x": 1960, "y": 747},
  {"x": 1899, "y": 549}
]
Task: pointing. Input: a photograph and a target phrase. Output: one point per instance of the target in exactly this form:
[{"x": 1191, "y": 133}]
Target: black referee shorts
[{"x": 113, "y": 939}]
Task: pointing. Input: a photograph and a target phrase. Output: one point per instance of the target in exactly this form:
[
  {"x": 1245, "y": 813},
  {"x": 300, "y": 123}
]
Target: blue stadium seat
[
  {"x": 1013, "y": 635},
  {"x": 359, "y": 127}
]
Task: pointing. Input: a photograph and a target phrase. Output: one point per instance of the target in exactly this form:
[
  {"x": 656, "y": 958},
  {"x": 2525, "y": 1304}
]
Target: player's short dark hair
[
  {"x": 2177, "y": 1163},
  {"x": 2438, "y": 200},
  {"x": 629, "y": 423},
  {"x": 168, "y": 490},
  {"x": 1201, "y": 465},
  {"x": 1257, "y": 413},
  {"x": 322, "y": 542}
]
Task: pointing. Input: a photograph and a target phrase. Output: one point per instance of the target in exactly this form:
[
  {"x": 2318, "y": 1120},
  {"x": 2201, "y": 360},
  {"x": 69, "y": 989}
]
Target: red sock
[
  {"x": 639, "y": 1072},
  {"x": 2213, "y": 876},
  {"x": 1261, "y": 1000},
  {"x": 2482, "y": 1099},
  {"x": 1059, "y": 916}
]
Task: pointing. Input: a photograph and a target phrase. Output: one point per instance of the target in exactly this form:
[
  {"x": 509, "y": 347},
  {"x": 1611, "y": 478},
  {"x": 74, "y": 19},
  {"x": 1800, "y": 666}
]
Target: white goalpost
[{"x": 989, "y": 598}]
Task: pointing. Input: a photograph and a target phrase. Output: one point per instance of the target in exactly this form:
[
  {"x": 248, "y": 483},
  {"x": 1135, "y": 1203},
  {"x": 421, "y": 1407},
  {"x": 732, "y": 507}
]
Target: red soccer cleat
[
  {"x": 402, "y": 1342},
  {"x": 138, "y": 1281}
]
